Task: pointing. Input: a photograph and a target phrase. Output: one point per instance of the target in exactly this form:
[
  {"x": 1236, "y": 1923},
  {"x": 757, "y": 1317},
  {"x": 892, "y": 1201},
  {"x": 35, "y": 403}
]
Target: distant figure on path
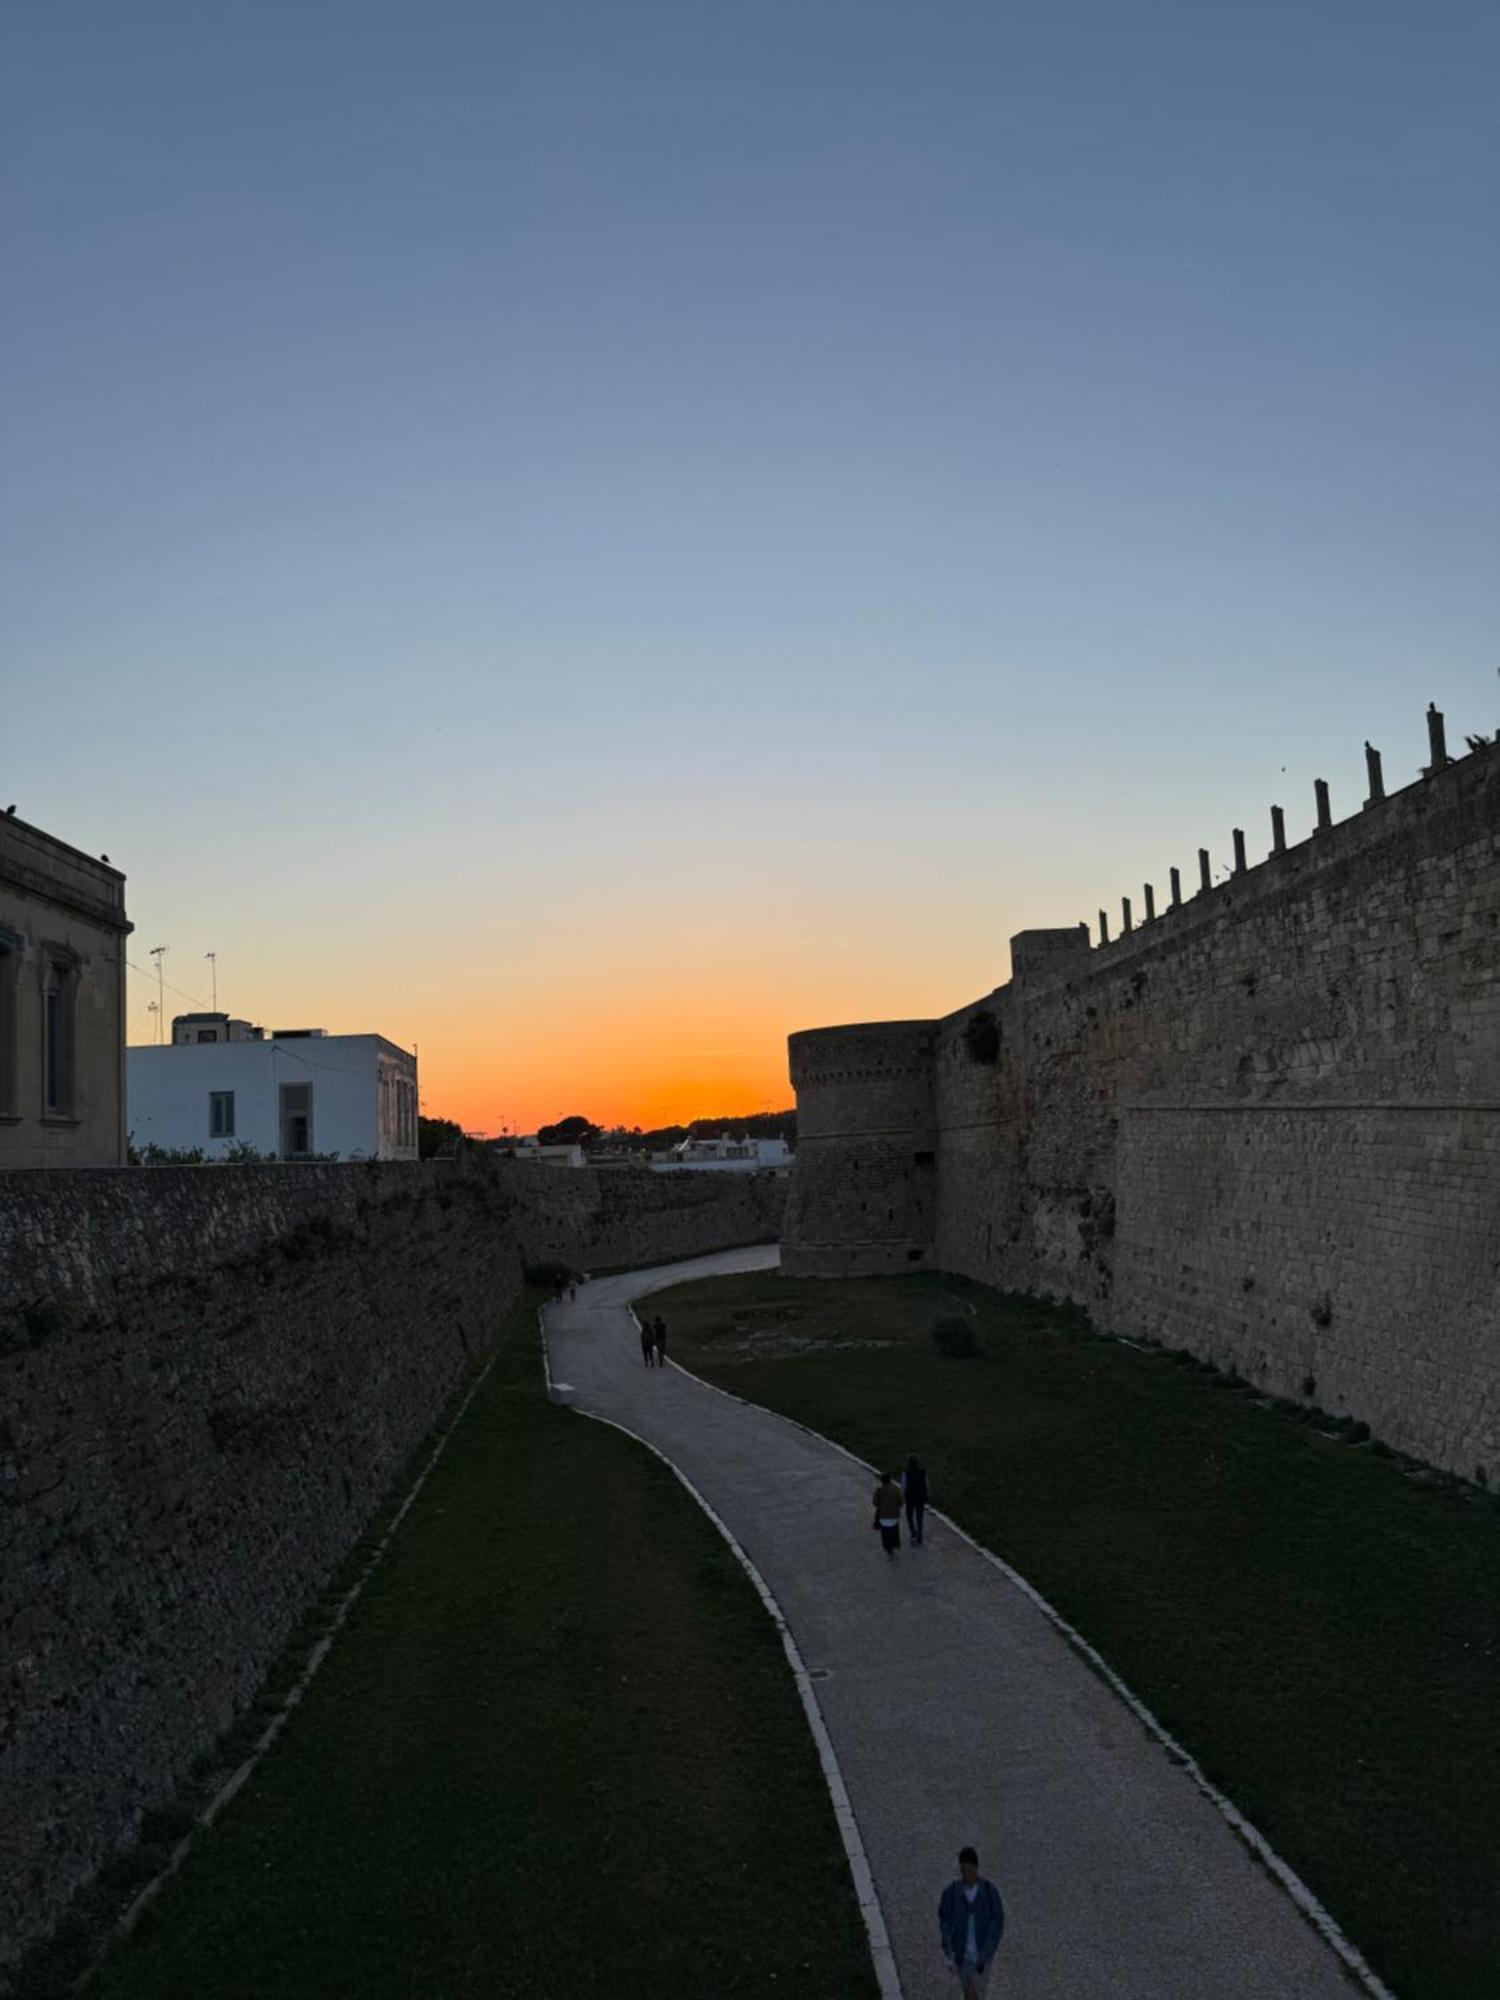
[
  {"x": 971, "y": 1920},
  {"x": 659, "y": 1335},
  {"x": 572, "y": 1290},
  {"x": 648, "y": 1343},
  {"x": 888, "y": 1513},
  {"x": 914, "y": 1486}
]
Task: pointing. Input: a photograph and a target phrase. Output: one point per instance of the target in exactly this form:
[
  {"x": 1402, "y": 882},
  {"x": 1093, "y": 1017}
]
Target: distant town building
[
  {"x": 545, "y": 1156},
  {"x": 62, "y": 1003},
  {"x": 740, "y": 1156},
  {"x": 192, "y": 1029},
  {"x": 228, "y": 1089}
]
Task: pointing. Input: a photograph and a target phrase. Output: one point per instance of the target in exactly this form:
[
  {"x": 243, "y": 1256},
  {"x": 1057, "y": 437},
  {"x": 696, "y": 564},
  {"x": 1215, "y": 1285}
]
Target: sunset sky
[{"x": 587, "y": 537}]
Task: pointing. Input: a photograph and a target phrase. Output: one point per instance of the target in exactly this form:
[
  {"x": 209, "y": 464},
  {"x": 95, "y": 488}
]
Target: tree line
[{"x": 445, "y": 1135}]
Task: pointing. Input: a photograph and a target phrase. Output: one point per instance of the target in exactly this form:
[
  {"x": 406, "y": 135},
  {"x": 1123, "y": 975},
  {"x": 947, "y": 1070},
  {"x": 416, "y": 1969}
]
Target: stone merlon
[{"x": 1264, "y": 1126}]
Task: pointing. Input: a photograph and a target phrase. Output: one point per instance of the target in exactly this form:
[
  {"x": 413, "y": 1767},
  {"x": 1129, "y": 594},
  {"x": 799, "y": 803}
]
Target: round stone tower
[{"x": 864, "y": 1190}]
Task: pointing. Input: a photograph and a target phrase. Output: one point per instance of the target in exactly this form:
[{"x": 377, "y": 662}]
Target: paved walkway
[{"x": 960, "y": 1714}]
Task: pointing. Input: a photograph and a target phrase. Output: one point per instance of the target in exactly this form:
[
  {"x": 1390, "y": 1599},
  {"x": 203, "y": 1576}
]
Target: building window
[
  {"x": 59, "y": 998},
  {"x": 208, "y": 1034},
  {"x": 296, "y": 1121},
  {"x": 10, "y": 972},
  {"x": 221, "y": 1114}
]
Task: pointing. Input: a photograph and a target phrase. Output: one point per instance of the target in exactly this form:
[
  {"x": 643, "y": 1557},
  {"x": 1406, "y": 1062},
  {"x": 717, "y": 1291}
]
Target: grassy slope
[
  {"x": 556, "y": 1751},
  {"x": 1319, "y": 1626}
]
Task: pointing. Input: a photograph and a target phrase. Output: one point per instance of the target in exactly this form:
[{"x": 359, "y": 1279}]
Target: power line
[
  {"x": 333, "y": 1069},
  {"x": 196, "y": 998}
]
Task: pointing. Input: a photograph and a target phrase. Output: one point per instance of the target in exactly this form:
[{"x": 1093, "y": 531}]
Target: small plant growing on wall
[
  {"x": 982, "y": 1037},
  {"x": 550, "y": 1274},
  {"x": 955, "y": 1339}
]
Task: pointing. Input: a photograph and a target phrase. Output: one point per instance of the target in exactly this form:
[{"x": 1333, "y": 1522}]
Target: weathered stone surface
[
  {"x": 590, "y": 1217},
  {"x": 1264, "y": 1125},
  {"x": 208, "y": 1378}
]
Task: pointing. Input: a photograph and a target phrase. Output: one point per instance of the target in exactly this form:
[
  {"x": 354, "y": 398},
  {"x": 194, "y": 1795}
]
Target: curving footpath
[{"x": 957, "y": 1711}]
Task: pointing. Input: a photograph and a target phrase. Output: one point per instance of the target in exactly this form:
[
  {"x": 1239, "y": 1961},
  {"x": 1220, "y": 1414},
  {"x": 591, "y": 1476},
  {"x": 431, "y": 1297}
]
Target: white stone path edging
[
  {"x": 881, "y": 1954},
  {"x": 126, "y": 1922},
  {"x": 1281, "y": 1871}
]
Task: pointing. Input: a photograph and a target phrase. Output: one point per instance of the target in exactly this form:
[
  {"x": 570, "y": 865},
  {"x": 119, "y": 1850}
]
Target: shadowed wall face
[
  {"x": 209, "y": 1377},
  {"x": 1264, "y": 1125},
  {"x": 866, "y": 1149}
]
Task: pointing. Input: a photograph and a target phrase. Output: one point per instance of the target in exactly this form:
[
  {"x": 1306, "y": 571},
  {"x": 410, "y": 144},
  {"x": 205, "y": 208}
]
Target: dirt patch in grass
[
  {"x": 1316, "y": 1619},
  {"x": 555, "y": 1751}
]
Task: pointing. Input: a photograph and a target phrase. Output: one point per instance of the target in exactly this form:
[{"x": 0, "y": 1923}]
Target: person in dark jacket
[
  {"x": 659, "y": 1335},
  {"x": 971, "y": 1922},
  {"x": 914, "y": 1486},
  {"x": 888, "y": 1513},
  {"x": 648, "y": 1344}
]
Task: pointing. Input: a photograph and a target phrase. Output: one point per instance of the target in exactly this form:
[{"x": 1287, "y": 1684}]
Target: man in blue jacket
[{"x": 971, "y": 1919}]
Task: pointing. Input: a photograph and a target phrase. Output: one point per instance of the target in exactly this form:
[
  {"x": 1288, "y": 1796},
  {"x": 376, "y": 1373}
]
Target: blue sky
[{"x": 600, "y": 493}]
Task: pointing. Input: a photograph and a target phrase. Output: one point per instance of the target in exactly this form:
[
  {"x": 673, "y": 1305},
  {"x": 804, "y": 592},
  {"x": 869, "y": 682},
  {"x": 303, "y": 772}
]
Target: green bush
[
  {"x": 955, "y": 1339},
  {"x": 551, "y": 1276},
  {"x": 982, "y": 1037}
]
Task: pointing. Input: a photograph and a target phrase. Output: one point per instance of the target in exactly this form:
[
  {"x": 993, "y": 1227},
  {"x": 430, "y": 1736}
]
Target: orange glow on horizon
[{"x": 647, "y": 1068}]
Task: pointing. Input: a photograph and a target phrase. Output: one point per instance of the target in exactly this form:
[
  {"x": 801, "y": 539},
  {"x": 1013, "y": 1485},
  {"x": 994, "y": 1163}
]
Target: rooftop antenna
[
  {"x": 213, "y": 973},
  {"x": 159, "y": 952},
  {"x": 154, "y": 1010}
]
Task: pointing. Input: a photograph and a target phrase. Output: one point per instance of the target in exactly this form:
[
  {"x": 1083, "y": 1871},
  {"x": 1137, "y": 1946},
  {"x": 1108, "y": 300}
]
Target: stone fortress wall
[
  {"x": 1263, "y": 1124},
  {"x": 601, "y": 1218},
  {"x": 209, "y": 1377}
]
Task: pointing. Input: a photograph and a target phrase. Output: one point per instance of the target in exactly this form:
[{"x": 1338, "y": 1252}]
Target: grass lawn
[
  {"x": 555, "y": 1751},
  {"x": 1318, "y": 1622}
]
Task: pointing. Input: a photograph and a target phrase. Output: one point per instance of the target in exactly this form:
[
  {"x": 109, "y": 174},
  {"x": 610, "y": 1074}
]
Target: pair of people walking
[
  {"x": 907, "y": 1495},
  {"x": 654, "y": 1342}
]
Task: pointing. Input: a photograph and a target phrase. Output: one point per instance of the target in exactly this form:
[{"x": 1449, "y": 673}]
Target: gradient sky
[{"x": 586, "y": 537}]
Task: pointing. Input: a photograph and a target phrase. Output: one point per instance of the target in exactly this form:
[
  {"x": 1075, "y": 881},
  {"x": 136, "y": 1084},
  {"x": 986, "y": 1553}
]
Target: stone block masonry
[
  {"x": 623, "y": 1217},
  {"x": 208, "y": 1378},
  {"x": 1263, "y": 1124}
]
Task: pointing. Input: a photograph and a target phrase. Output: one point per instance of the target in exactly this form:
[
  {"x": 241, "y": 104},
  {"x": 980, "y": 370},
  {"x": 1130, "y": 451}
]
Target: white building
[
  {"x": 739, "y": 1156},
  {"x": 544, "y": 1156},
  {"x": 224, "y": 1087}
]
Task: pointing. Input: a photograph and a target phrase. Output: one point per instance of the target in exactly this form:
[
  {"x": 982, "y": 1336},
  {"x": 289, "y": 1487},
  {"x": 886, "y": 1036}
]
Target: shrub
[
  {"x": 550, "y": 1275},
  {"x": 308, "y": 1239},
  {"x": 46, "y": 1318},
  {"x": 955, "y": 1339},
  {"x": 982, "y": 1036}
]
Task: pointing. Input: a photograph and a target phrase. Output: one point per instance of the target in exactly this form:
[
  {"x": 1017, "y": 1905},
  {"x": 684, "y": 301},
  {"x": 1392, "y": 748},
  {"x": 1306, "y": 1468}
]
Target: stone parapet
[{"x": 1262, "y": 1124}]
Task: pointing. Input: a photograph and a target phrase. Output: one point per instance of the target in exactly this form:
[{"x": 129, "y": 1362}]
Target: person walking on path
[
  {"x": 888, "y": 1513},
  {"x": 971, "y": 1921},
  {"x": 659, "y": 1335},
  {"x": 914, "y": 1486},
  {"x": 648, "y": 1343}
]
